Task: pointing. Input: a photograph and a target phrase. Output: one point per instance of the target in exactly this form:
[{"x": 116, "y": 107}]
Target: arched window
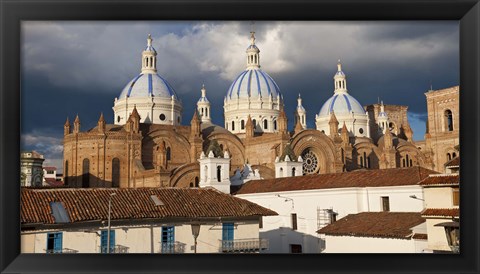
[
  {"x": 454, "y": 155},
  {"x": 254, "y": 123},
  {"x": 86, "y": 173},
  {"x": 169, "y": 156},
  {"x": 201, "y": 110},
  {"x": 265, "y": 124},
  {"x": 365, "y": 159},
  {"x": 115, "y": 172},
  {"x": 448, "y": 120},
  {"x": 206, "y": 112},
  {"x": 196, "y": 182},
  {"x": 391, "y": 126},
  {"x": 191, "y": 184},
  {"x": 146, "y": 62},
  {"x": 293, "y": 172},
  {"x": 242, "y": 124},
  {"x": 407, "y": 160},
  {"x": 449, "y": 157},
  {"x": 361, "y": 161},
  {"x": 403, "y": 162},
  {"x": 411, "y": 162},
  {"x": 65, "y": 173},
  {"x": 219, "y": 173},
  {"x": 368, "y": 162},
  {"x": 274, "y": 124},
  {"x": 233, "y": 125},
  {"x": 281, "y": 173}
]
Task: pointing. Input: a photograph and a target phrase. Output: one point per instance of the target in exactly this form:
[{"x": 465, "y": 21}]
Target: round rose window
[{"x": 310, "y": 162}]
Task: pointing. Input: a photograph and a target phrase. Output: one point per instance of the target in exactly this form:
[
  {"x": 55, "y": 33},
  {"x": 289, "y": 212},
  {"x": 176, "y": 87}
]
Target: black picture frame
[{"x": 13, "y": 12}]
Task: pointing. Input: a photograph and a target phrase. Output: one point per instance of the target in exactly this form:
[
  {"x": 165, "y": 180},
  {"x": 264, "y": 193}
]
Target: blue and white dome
[
  {"x": 344, "y": 108},
  {"x": 148, "y": 85},
  {"x": 252, "y": 95},
  {"x": 382, "y": 114},
  {"x": 150, "y": 94},
  {"x": 341, "y": 103},
  {"x": 253, "y": 83}
]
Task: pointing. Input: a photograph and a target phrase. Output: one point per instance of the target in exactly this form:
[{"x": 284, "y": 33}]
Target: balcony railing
[
  {"x": 244, "y": 245},
  {"x": 59, "y": 251},
  {"x": 115, "y": 249},
  {"x": 172, "y": 247}
]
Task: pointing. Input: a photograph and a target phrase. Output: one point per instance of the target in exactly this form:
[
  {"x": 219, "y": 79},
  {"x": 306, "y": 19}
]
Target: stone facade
[{"x": 443, "y": 125}]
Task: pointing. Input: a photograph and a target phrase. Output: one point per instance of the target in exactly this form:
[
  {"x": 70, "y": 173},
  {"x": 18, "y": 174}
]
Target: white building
[
  {"x": 51, "y": 177},
  {"x": 308, "y": 203},
  {"x": 376, "y": 232},
  {"x": 31, "y": 170},
  {"x": 154, "y": 98},
  {"x": 146, "y": 220},
  {"x": 442, "y": 201}
]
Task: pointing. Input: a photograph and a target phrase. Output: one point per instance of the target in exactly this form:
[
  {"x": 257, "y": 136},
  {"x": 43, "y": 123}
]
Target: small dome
[
  {"x": 203, "y": 99},
  {"x": 150, "y": 48},
  {"x": 253, "y": 83},
  {"x": 146, "y": 85},
  {"x": 341, "y": 103}
]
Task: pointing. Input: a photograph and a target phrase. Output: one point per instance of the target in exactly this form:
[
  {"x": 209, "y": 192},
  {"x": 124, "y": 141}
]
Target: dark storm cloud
[{"x": 80, "y": 67}]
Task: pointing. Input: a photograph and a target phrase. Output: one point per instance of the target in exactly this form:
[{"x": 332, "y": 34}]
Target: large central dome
[
  {"x": 148, "y": 85},
  {"x": 341, "y": 103},
  {"x": 253, "y": 83},
  {"x": 253, "y": 93}
]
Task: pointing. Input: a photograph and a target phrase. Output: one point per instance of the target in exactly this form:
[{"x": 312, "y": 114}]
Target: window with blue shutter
[
  {"x": 227, "y": 236},
  {"x": 54, "y": 242},
  {"x": 168, "y": 239},
  {"x": 104, "y": 240}
]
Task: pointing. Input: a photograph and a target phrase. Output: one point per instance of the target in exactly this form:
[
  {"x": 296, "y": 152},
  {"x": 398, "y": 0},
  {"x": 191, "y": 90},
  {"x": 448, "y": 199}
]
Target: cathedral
[{"x": 148, "y": 146}]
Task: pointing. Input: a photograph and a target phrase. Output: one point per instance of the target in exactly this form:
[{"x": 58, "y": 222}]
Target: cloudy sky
[{"x": 80, "y": 67}]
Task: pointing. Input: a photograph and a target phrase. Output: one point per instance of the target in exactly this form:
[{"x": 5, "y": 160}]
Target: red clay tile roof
[
  {"x": 53, "y": 182},
  {"x": 87, "y": 204},
  {"x": 441, "y": 179},
  {"x": 455, "y": 162},
  {"x": 49, "y": 168},
  {"x": 420, "y": 236},
  {"x": 375, "y": 224},
  {"x": 359, "y": 178},
  {"x": 442, "y": 212}
]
